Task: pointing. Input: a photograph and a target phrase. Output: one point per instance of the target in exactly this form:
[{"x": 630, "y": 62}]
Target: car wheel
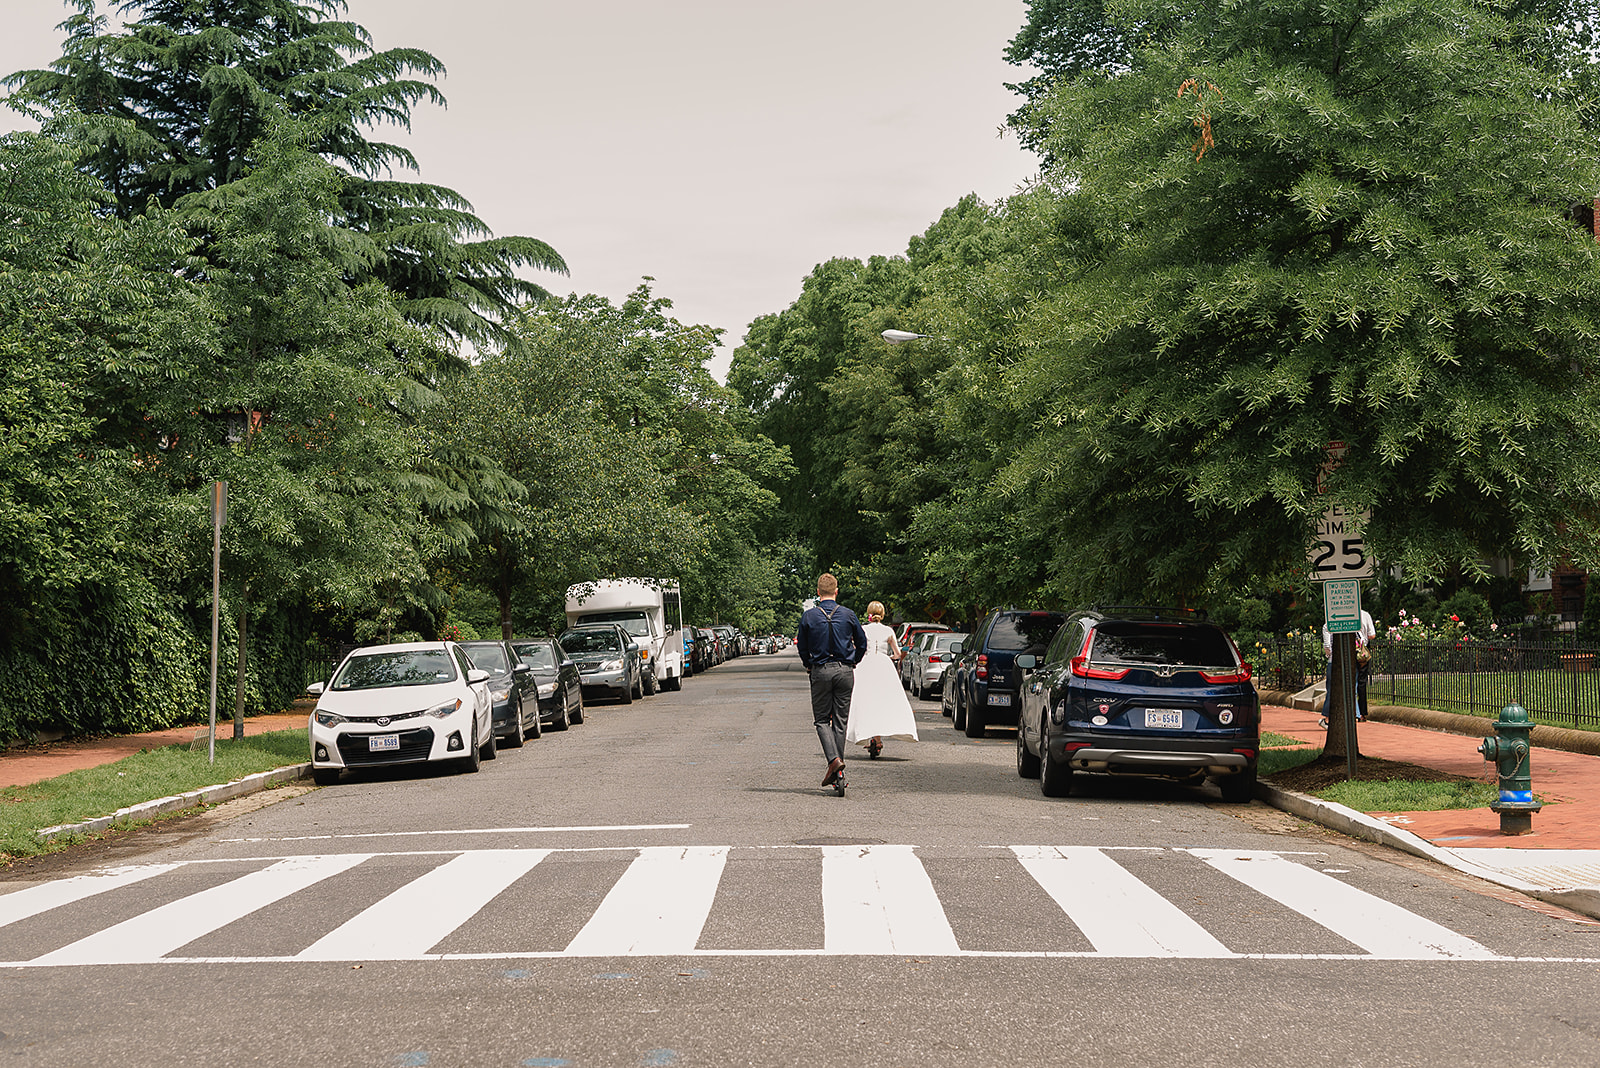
[
  {"x": 1027, "y": 763},
  {"x": 538, "y": 722},
  {"x": 324, "y": 776},
  {"x": 474, "y": 758},
  {"x": 564, "y": 720},
  {"x": 675, "y": 683},
  {"x": 627, "y": 695},
  {"x": 1239, "y": 789},
  {"x": 976, "y": 722},
  {"x": 515, "y": 738},
  {"x": 651, "y": 685},
  {"x": 638, "y": 687},
  {"x": 490, "y": 750},
  {"x": 577, "y": 713},
  {"x": 1055, "y": 778}
]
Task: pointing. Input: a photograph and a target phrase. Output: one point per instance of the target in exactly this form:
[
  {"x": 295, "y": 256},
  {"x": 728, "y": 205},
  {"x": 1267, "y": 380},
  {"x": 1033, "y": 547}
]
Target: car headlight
[
  {"x": 445, "y": 709},
  {"x": 547, "y": 689},
  {"x": 329, "y": 719},
  {"x": 611, "y": 665},
  {"x": 501, "y": 695}
]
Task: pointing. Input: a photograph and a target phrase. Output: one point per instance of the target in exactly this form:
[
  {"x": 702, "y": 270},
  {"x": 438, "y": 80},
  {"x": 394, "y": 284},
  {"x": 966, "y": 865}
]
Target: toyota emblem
[{"x": 383, "y": 721}]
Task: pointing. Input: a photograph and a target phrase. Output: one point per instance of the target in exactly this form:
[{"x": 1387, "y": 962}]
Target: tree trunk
[{"x": 1340, "y": 704}]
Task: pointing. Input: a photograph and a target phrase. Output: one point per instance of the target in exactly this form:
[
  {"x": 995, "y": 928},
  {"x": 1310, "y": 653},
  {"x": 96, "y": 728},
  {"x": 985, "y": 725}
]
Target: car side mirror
[
  {"x": 521, "y": 669},
  {"x": 568, "y": 663},
  {"x": 957, "y": 648},
  {"x": 316, "y": 688},
  {"x": 1027, "y": 660},
  {"x": 477, "y": 675}
]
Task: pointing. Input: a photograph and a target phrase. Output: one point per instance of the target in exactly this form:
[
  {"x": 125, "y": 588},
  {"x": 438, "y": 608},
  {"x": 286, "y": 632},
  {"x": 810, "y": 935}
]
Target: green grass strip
[
  {"x": 1403, "y": 795},
  {"x": 145, "y": 776},
  {"x": 1269, "y": 740}
]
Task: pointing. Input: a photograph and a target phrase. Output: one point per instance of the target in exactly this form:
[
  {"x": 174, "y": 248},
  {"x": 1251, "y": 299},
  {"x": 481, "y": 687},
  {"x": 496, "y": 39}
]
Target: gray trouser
[{"x": 830, "y": 706}]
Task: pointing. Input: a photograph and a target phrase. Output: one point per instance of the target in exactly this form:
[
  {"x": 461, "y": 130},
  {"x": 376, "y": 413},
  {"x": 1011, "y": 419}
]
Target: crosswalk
[{"x": 685, "y": 901}]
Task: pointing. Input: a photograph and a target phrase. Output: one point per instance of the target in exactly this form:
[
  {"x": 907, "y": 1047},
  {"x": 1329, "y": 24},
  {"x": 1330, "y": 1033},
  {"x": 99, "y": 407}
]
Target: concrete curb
[
  {"x": 1348, "y": 821},
  {"x": 206, "y": 795},
  {"x": 1542, "y": 736}
]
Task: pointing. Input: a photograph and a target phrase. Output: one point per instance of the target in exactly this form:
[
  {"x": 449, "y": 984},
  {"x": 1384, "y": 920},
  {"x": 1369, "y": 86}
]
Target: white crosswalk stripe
[
  {"x": 1380, "y": 927},
  {"x": 658, "y": 906},
  {"x": 1121, "y": 916},
  {"x": 874, "y": 900},
  {"x": 878, "y": 899},
  {"x": 416, "y": 917}
]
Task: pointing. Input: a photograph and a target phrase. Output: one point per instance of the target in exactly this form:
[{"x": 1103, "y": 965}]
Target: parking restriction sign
[{"x": 1341, "y": 604}]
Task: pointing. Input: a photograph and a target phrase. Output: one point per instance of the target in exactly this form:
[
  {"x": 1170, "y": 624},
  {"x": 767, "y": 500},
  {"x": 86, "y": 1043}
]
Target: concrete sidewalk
[{"x": 1558, "y": 862}]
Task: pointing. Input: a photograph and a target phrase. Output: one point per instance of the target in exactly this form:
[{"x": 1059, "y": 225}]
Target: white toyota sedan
[{"x": 401, "y": 704}]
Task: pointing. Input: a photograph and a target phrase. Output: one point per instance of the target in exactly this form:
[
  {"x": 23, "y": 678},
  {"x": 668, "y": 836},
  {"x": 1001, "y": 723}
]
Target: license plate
[
  {"x": 383, "y": 743},
  {"x": 999, "y": 699},
  {"x": 1164, "y": 717}
]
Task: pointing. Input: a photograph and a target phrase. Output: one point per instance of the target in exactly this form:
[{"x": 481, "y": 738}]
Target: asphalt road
[{"x": 667, "y": 884}]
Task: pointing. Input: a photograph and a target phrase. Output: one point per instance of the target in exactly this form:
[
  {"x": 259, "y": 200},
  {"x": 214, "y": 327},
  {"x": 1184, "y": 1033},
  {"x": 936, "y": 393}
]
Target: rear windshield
[
  {"x": 491, "y": 658},
  {"x": 1161, "y": 643},
  {"x": 590, "y": 641},
  {"x": 537, "y": 655},
  {"x": 414, "y": 667},
  {"x": 1028, "y": 633}
]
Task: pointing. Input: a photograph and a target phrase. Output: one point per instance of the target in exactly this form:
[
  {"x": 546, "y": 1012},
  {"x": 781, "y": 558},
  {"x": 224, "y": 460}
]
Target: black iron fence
[{"x": 1557, "y": 681}]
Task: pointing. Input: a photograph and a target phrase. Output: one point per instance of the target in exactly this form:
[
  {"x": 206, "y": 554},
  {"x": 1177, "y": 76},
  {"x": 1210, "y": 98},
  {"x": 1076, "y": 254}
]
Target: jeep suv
[
  {"x": 987, "y": 681},
  {"x": 1139, "y": 691}
]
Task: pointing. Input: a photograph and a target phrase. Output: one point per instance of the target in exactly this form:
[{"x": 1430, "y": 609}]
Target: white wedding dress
[{"x": 878, "y": 705}]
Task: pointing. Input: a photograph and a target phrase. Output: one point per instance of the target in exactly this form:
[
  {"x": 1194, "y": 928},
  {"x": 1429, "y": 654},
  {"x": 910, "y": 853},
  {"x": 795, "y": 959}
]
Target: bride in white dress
[{"x": 878, "y": 705}]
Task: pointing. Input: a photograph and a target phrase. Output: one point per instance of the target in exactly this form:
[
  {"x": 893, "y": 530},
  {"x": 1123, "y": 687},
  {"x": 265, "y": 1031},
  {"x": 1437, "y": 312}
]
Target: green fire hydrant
[{"x": 1510, "y": 750}]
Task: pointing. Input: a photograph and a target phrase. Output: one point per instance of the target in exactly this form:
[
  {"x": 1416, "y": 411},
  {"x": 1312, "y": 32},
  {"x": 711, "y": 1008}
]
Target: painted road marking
[
  {"x": 876, "y": 900},
  {"x": 658, "y": 907},
  {"x": 471, "y": 830},
  {"x": 418, "y": 916},
  {"x": 1380, "y": 927},
  {"x": 46, "y": 896},
  {"x": 1118, "y": 914},
  {"x": 152, "y": 935}
]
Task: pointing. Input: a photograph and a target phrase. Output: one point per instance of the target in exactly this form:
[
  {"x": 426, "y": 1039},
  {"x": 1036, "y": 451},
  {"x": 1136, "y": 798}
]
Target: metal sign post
[
  {"x": 219, "y": 516},
  {"x": 1341, "y": 611}
]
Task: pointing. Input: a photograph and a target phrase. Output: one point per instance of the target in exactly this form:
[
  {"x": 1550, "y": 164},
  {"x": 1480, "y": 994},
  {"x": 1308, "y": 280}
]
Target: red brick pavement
[{"x": 1568, "y": 783}]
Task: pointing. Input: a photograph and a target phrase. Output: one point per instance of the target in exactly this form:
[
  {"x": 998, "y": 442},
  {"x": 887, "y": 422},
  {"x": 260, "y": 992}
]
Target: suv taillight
[
  {"x": 982, "y": 671},
  {"x": 1081, "y": 668},
  {"x": 1242, "y": 675}
]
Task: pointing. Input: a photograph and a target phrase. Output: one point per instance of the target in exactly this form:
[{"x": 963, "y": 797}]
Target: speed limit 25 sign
[{"x": 1339, "y": 551}]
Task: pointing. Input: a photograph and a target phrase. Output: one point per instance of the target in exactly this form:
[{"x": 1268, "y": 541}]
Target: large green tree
[
  {"x": 198, "y": 83},
  {"x": 1296, "y": 223}
]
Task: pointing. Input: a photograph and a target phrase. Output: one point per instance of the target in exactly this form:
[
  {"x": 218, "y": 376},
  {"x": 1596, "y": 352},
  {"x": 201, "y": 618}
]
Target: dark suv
[
  {"x": 986, "y": 679},
  {"x": 1140, "y": 691}
]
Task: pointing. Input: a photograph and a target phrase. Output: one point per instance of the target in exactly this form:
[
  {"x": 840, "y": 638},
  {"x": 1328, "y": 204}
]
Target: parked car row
[
  {"x": 440, "y": 701},
  {"x": 1126, "y": 690}
]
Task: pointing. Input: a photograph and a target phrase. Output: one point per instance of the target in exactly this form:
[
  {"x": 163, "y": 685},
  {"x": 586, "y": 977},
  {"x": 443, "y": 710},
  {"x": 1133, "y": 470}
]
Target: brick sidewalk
[
  {"x": 1569, "y": 784},
  {"x": 35, "y": 763}
]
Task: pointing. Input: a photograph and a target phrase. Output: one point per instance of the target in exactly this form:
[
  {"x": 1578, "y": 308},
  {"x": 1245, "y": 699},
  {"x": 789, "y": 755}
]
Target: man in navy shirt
[{"x": 831, "y": 643}]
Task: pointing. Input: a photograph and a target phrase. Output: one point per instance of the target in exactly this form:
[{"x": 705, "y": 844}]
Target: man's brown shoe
[{"x": 835, "y": 769}]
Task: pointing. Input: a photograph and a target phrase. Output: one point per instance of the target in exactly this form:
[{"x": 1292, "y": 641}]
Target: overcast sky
[{"x": 723, "y": 147}]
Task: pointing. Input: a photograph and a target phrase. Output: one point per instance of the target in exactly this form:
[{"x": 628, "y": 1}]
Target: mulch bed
[{"x": 1328, "y": 771}]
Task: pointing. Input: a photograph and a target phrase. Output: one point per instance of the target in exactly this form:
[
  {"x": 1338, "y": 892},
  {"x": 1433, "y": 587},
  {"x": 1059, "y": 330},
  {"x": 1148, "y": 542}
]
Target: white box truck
[{"x": 648, "y": 609}]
